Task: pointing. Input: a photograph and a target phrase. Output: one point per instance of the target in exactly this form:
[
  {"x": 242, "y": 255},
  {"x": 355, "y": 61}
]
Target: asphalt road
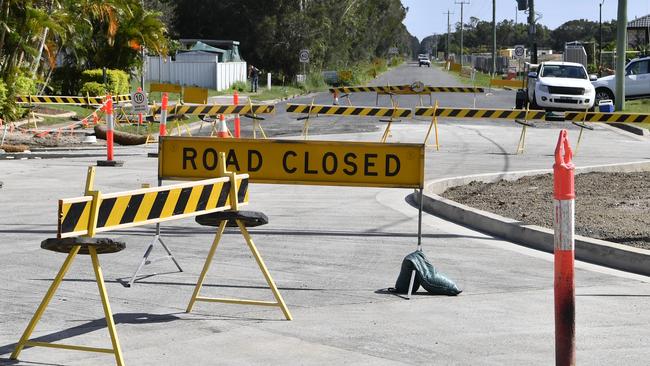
[{"x": 331, "y": 250}]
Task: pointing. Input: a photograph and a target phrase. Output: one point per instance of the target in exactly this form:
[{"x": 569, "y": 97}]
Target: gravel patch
[{"x": 609, "y": 206}]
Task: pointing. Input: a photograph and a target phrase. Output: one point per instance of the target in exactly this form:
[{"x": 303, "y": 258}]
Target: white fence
[{"x": 203, "y": 73}]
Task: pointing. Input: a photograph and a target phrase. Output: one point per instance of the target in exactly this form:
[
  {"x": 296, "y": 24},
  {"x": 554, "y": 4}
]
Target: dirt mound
[{"x": 609, "y": 206}]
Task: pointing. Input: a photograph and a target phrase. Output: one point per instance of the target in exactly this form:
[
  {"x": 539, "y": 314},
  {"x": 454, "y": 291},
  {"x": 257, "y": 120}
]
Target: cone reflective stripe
[
  {"x": 235, "y": 100},
  {"x": 336, "y": 97},
  {"x": 222, "y": 130},
  {"x": 108, "y": 107},
  {"x": 163, "y": 115},
  {"x": 564, "y": 249}
]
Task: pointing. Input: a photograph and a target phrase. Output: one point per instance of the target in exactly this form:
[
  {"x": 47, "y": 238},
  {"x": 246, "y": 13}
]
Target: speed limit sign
[
  {"x": 139, "y": 102},
  {"x": 520, "y": 51},
  {"x": 303, "y": 56}
]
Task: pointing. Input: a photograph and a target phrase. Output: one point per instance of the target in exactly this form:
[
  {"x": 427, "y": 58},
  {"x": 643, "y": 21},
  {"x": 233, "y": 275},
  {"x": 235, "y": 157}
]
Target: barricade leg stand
[
  {"x": 240, "y": 218},
  {"x": 74, "y": 246},
  {"x": 582, "y": 126},
  {"x": 256, "y": 121},
  {"x": 347, "y": 97},
  {"x": 305, "y": 127},
  {"x": 434, "y": 124},
  {"x": 419, "y": 247},
  {"x": 522, "y": 138},
  {"x": 390, "y": 121},
  {"x": 145, "y": 257}
]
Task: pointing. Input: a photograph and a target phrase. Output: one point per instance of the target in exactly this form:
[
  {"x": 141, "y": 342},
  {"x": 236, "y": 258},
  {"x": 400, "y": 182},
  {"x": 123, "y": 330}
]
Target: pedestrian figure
[{"x": 254, "y": 75}]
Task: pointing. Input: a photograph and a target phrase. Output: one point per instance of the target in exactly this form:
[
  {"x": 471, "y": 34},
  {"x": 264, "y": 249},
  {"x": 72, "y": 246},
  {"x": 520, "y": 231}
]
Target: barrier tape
[
  {"x": 214, "y": 109},
  {"x": 406, "y": 89},
  {"x": 348, "y": 111},
  {"x": 147, "y": 206},
  {"x": 58, "y": 99},
  {"x": 479, "y": 113}
]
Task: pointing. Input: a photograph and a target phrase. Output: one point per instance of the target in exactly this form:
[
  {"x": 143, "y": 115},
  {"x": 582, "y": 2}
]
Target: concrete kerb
[{"x": 590, "y": 250}]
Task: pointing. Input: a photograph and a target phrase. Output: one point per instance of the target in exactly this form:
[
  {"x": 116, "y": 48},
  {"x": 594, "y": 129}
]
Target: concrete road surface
[{"x": 332, "y": 251}]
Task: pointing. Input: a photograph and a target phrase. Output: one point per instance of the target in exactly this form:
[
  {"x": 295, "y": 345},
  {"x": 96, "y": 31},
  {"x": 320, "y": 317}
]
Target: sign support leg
[{"x": 419, "y": 240}]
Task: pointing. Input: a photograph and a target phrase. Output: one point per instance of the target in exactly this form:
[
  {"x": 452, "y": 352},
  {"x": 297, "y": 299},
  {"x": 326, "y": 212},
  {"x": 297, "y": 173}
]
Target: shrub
[
  {"x": 24, "y": 85},
  {"x": 315, "y": 81},
  {"x": 239, "y": 86},
  {"x": 93, "y": 89},
  {"x": 117, "y": 81}
]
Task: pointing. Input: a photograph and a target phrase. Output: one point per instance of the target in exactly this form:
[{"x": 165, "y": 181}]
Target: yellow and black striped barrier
[
  {"x": 215, "y": 109},
  {"x": 348, "y": 111},
  {"x": 607, "y": 117},
  {"x": 92, "y": 214},
  {"x": 511, "y": 114},
  {"x": 406, "y": 89},
  {"x": 59, "y": 99}
]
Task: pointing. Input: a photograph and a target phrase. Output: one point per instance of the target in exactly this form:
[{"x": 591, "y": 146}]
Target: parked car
[
  {"x": 424, "y": 60},
  {"x": 560, "y": 86},
  {"x": 637, "y": 81}
]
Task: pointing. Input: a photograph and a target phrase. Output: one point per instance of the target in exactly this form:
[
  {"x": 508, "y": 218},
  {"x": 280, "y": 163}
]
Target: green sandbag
[{"x": 426, "y": 276}]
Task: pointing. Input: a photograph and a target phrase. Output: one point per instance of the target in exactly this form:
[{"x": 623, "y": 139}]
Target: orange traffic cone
[
  {"x": 222, "y": 129},
  {"x": 336, "y": 97}
]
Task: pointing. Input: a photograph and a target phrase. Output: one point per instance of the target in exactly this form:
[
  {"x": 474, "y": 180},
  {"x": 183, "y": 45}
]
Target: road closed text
[{"x": 296, "y": 162}]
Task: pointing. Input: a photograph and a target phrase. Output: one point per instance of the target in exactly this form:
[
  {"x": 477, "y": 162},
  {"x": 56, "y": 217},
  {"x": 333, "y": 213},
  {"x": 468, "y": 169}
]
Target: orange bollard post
[
  {"x": 139, "y": 114},
  {"x": 235, "y": 98},
  {"x": 564, "y": 245},
  {"x": 163, "y": 115},
  {"x": 110, "y": 126}
]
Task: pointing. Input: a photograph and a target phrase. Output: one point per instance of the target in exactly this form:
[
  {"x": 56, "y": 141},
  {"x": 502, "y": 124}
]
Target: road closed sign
[{"x": 363, "y": 164}]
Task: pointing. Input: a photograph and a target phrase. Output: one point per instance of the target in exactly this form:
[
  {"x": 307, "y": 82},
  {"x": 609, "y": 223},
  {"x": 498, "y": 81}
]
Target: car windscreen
[{"x": 564, "y": 71}]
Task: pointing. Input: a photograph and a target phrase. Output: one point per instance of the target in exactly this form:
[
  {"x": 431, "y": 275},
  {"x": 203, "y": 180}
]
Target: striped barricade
[
  {"x": 148, "y": 206},
  {"x": 316, "y": 109},
  {"x": 215, "y": 109},
  {"x": 59, "y": 99},
  {"x": 406, "y": 89},
  {"x": 511, "y": 114},
  {"x": 607, "y": 117}
]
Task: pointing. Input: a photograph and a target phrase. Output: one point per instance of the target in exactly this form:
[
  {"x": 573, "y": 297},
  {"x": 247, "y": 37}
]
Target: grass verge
[{"x": 639, "y": 106}]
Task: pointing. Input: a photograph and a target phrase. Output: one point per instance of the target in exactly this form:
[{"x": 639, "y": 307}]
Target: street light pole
[
  {"x": 621, "y": 46},
  {"x": 448, "y": 31},
  {"x": 600, "y": 37},
  {"x": 532, "y": 30},
  {"x": 494, "y": 37}
]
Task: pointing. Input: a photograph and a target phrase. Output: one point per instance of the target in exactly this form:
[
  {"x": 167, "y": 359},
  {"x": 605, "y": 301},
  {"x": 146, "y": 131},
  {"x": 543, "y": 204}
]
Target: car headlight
[{"x": 543, "y": 88}]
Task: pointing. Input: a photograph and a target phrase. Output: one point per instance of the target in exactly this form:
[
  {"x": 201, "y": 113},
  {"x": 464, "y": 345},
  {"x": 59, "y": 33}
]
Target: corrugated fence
[{"x": 202, "y": 73}]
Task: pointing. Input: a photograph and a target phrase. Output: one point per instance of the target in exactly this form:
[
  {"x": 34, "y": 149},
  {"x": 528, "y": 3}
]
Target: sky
[{"x": 425, "y": 17}]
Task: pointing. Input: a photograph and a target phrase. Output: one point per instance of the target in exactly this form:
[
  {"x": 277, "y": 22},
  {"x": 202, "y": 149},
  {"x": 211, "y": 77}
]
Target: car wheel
[{"x": 603, "y": 94}]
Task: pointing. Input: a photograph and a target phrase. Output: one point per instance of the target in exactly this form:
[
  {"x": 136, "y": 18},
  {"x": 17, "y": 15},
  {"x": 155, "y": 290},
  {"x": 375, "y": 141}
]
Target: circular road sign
[
  {"x": 417, "y": 87},
  {"x": 303, "y": 56},
  {"x": 139, "y": 102},
  {"x": 520, "y": 51}
]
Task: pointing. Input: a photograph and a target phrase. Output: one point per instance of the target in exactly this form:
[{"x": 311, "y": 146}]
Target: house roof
[
  {"x": 642, "y": 22},
  {"x": 200, "y": 46}
]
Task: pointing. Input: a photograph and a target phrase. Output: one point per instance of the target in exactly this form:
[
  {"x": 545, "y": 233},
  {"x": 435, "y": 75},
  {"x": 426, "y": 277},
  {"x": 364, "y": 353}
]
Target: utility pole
[
  {"x": 600, "y": 37},
  {"x": 621, "y": 47},
  {"x": 462, "y": 3},
  {"x": 448, "y": 31},
  {"x": 532, "y": 30},
  {"x": 494, "y": 37},
  {"x": 143, "y": 53}
]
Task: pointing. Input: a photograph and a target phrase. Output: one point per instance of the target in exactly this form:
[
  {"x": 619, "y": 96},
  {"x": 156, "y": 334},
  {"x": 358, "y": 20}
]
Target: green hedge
[
  {"x": 3, "y": 95},
  {"x": 93, "y": 89},
  {"x": 24, "y": 85},
  {"x": 117, "y": 81}
]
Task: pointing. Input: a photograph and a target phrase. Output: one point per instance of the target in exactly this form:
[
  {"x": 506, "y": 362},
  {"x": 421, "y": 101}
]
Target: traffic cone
[
  {"x": 336, "y": 97},
  {"x": 222, "y": 129}
]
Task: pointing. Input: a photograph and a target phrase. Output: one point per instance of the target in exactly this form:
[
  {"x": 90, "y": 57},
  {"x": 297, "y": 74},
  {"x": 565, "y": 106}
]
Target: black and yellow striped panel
[
  {"x": 348, "y": 111},
  {"x": 480, "y": 113},
  {"x": 148, "y": 206},
  {"x": 122, "y": 98},
  {"x": 406, "y": 89},
  {"x": 215, "y": 109},
  {"x": 607, "y": 117},
  {"x": 57, "y": 99}
]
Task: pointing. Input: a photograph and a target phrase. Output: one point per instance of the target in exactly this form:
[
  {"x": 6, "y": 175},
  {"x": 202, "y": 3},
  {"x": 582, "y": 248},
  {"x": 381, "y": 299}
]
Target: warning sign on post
[
  {"x": 139, "y": 102},
  {"x": 363, "y": 164}
]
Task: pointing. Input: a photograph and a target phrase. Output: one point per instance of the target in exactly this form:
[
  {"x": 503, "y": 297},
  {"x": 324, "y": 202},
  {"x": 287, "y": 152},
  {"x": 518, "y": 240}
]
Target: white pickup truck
[
  {"x": 560, "y": 86},
  {"x": 637, "y": 81}
]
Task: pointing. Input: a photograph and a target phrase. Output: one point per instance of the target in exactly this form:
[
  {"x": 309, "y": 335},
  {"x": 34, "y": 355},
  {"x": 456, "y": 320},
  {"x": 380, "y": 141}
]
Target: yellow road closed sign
[{"x": 364, "y": 164}]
